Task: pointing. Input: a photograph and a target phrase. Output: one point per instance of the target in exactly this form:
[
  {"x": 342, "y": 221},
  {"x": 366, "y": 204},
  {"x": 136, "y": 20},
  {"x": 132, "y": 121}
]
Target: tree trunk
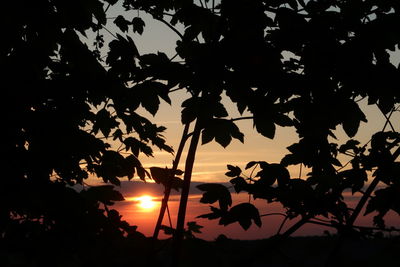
[
  {"x": 167, "y": 191},
  {"x": 184, "y": 195}
]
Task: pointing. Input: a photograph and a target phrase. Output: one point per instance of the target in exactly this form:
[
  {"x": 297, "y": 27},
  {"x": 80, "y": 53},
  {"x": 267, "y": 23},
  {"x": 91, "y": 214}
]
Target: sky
[
  {"x": 145, "y": 219},
  {"x": 211, "y": 159}
]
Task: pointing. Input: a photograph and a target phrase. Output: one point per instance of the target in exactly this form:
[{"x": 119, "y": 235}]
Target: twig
[
  {"x": 296, "y": 226},
  {"x": 282, "y": 224},
  {"x": 272, "y": 214},
  {"x": 107, "y": 30},
  {"x": 357, "y": 227},
  {"x": 242, "y": 118},
  {"x": 108, "y": 6},
  {"x": 169, "y": 26},
  {"x": 388, "y": 119},
  {"x": 301, "y": 167},
  {"x": 169, "y": 216}
]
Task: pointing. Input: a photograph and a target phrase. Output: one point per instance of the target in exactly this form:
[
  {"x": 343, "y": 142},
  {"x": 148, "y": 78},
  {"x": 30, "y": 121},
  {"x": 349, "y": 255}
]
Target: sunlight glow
[{"x": 146, "y": 202}]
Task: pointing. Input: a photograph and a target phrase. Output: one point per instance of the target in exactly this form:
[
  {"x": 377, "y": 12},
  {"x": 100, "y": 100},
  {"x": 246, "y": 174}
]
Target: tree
[
  {"x": 301, "y": 64},
  {"x": 337, "y": 53},
  {"x": 63, "y": 107}
]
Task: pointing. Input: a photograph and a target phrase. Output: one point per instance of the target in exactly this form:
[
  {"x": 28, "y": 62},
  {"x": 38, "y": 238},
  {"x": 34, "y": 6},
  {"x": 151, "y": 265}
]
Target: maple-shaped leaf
[
  {"x": 244, "y": 214},
  {"x": 216, "y": 192},
  {"x": 138, "y": 25},
  {"x": 121, "y": 23}
]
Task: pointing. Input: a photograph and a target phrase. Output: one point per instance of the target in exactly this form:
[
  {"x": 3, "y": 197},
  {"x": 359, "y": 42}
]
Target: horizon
[{"x": 145, "y": 220}]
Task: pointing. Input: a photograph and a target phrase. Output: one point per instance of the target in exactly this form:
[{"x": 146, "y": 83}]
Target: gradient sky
[
  {"x": 211, "y": 159},
  {"x": 146, "y": 219}
]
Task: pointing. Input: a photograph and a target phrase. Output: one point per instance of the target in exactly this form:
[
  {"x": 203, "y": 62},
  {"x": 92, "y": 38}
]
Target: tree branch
[
  {"x": 272, "y": 214},
  {"x": 167, "y": 192},
  {"x": 169, "y": 26},
  {"x": 387, "y": 119},
  {"x": 185, "y": 194},
  {"x": 242, "y": 118}
]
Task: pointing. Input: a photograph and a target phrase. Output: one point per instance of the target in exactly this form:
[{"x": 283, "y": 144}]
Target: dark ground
[
  {"x": 293, "y": 252},
  {"x": 298, "y": 251}
]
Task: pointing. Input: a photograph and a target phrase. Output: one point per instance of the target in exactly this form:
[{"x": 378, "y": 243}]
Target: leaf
[
  {"x": 138, "y": 25},
  {"x": 206, "y": 136},
  {"x": 354, "y": 179},
  {"x": 350, "y": 145},
  {"x": 282, "y": 120},
  {"x": 104, "y": 122},
  {"x": 194, "y": 107},
  {"x": 121, "y": 23},
  {"x": 166, "y": 178},
  {"x": 133, "y": 144},
  {"x": 194, "y": 227},
  {"x": 104, "y": 193},
  {"x": 233, "y": 171},
  {"x": 190, "y": 110},
  {"x": 118, "y": 134},
  {"x": 142, "y": 173},
  {"x": 352, "y": 118},
  {"x": 292, "y": 4},
  {"x": 384, "y": 200},
  {"x": 216, "y": 192},
  {"x": 223, "y": 139},
  {"x": 111, "y": 2},
  {"x": 148, "y": 96},
  {"x": 167, "y": 230},
  {"x": 301, "y": 190},
  {"x": 215, "y": 214},
  {"x": 251, "y": 164},
  {"x": 239, "y": 184},
  {"x": 113, "y": 165},
  {"x": 219, "y": 110},
  {"x": 222, "y": 130},
  {"x": 274, "y": 172},
  {"x": 265, "y": 126},
  {"x": 243, "y": 213}
]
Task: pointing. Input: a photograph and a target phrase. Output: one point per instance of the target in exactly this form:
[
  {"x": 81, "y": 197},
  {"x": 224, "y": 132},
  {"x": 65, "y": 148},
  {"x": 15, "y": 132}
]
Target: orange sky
[
  {"x": 211, "y": 159},
  {"x": 210, "y": 166},
  {"x": 146, "y": 219}
]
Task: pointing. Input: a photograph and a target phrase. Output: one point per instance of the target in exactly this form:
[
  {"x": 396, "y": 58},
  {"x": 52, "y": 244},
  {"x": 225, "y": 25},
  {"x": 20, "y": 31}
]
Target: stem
[
  {"x": 108, "y": 6},
  {"x": 107, "y": 30},
  {"x": 388, "y": 119},
  {"x": 375, "y": 182},
  {"x": 296, "y": 226},
  {"x": 242, "y": 118},
  {"x": 201, "y": 3},
  {"x": 167, "y": 192},
  {"x": 272, "y": 214},
  {"x": 169, "y": 217},
  {"x": 362, "y": 202},
  {"x": 185, "y": 194},
  {"x": 301, "y": 168},
  {"x": 169, "y": 26},
  {"x": 396, "y": 153},
  {"x": 357, "y": 227},
  {"x": 282, "y": 224}
]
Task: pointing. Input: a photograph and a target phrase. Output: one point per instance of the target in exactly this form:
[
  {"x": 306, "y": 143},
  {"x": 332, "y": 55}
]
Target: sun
[{"x": 146, "y": 202}]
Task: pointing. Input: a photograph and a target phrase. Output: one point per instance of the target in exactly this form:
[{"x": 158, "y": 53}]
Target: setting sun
[{"x": 146, "y": 202}]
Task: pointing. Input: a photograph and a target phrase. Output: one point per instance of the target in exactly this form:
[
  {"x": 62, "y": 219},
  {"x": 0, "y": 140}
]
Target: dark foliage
[
  {"x": 64, "y": 110},
  {"x": 70, "y": 109}
]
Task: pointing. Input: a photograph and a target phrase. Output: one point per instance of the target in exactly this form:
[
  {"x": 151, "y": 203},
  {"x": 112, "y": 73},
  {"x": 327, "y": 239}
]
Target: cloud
[{"x": 135, "y": 188}]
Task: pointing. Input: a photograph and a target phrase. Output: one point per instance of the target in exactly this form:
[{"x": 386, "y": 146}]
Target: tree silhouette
[
  {"x": 62, "y": 109},
  {"x": 293, "y": 63},
  {"x": 302, "y": 64}
]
